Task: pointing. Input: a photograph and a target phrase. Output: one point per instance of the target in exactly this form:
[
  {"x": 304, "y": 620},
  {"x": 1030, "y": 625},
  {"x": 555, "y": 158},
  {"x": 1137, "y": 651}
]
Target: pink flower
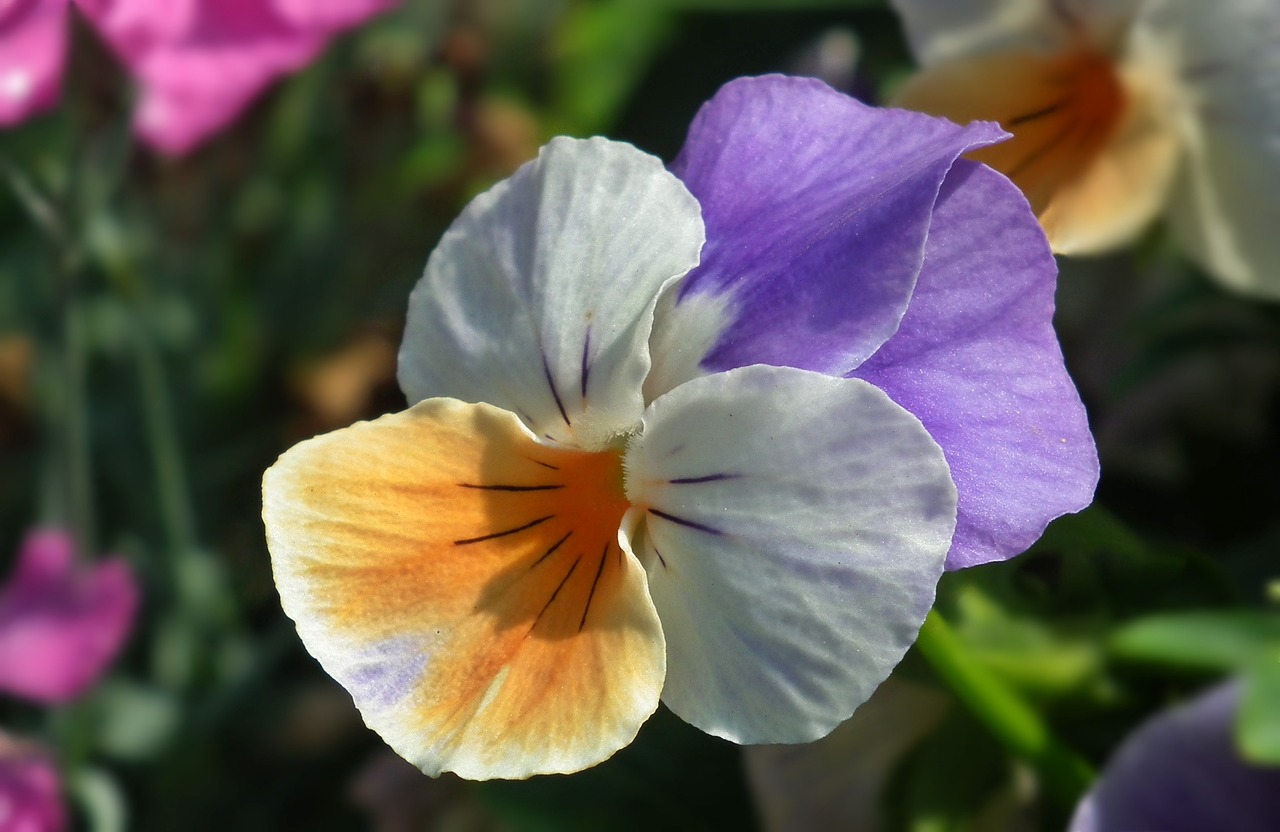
[
  {"x": 61, "y": 625},
  {"x": 199, "y": 62},
  {"x": 32, "y": 42},
  {"x": 30, "y": 799}
]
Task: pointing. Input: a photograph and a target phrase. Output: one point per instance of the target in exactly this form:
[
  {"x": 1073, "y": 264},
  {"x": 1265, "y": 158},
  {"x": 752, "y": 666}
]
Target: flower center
[
  {"x": 1062, "y": 110},
  {"x": 1073, "y": 105}
]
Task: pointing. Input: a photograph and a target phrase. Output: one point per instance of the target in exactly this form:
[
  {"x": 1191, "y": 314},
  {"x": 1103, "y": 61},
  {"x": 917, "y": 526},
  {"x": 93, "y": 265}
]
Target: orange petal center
[
  {"x": 1062, "y": 110},
  {"x": 466, "y": 583}
]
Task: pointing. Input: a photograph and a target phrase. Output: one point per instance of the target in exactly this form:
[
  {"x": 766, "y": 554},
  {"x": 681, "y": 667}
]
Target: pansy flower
[
  {"x": 1182, "y": 772},
  {"x": 1122, "y": 110},
  {"x": 199, "y": 62},
  {"x": 709, "y": 442},
  {"x": 60, "y": 624}
]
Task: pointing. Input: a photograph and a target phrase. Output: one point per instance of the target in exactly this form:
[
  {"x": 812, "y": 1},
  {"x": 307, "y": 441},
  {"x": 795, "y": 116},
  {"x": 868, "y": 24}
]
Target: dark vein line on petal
[
  {"x": 495, "y": 535},
  {"x": 555, "y": 394},
  {"x": 692, "y": 524},
  {"x": 1036, "y": 114},
  {"x": 586, "y": 362},
  {"x": 594, "y": 584},
  {"x": 707, "y": 478},
  {"x": 553, "y": 487},
  {"x": 551, "y": 550},
  {"x": 1044, "y": 149},
  {"x": 563, "y": 581}
]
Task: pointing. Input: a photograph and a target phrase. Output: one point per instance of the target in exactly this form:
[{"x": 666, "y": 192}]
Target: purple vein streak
[
  {"x": 555, "y": 394},
  {"x": 692, "y": 524},
  {"x": 512, "y": 487},
  {"x": 707, "y": 478},
  {"x": 586, "y": 362}
]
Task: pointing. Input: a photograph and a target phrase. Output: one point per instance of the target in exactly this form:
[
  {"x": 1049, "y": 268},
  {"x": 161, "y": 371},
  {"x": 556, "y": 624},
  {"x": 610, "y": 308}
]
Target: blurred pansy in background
[
  {"x": 710, "y": 439},
  {"x": 1183, "y": 772},
  {"x": 30, "y": 789},
  {"x": 61, "y": 623},
  {"x": 199, "y": 63},
  {"x": 1122, "y": 111}
]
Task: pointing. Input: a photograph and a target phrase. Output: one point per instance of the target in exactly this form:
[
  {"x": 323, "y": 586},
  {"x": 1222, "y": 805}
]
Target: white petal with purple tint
[
  {"x": 539, "y": 299},
  {"x": 794, "y": 526},
  {"x": 1225, "y": 209}
]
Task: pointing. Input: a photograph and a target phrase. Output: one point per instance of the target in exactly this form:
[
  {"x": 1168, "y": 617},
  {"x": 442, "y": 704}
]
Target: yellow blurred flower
[{"x": 1121, "y": 110}]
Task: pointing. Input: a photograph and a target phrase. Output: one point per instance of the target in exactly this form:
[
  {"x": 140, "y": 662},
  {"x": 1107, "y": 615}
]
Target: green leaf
[
  {"x": 951, "y": 779},
  {"x": 1211, "y": 640},
  {"x": 137, "y": 721},
  {"x": 100, "y": 797},
  {"x": 1258, "y": 723},
  {"x": 600, "y": 54}
]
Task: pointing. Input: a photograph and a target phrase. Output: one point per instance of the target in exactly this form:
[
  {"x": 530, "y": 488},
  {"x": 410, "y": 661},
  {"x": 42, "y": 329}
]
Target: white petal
[
  {"x": 1225, "y": 208},
  {"x": 794, "y": 527},
  {"x": 539, "y": 299},
  {"x": 940, "y": 30}
]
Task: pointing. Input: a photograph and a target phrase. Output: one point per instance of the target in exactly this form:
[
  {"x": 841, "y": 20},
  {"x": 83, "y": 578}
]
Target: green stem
[
  {"x": 168, "y": 463},
  {"x": 79, "y": 460},
  {"x": 1016, "y": 724},
  {"x": 75, "y": 459}
]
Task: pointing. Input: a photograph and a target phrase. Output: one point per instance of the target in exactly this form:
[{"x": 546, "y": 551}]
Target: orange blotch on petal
[
  {"x": 1092, "y": 147},
  {"x": 466, "y": 584}
]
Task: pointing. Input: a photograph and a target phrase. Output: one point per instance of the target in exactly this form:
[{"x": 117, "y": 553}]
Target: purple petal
[
  {"x": 32, "y": 44},
  {"x": 1180, "y": 772},
  {"x": 977, "y": 360},
  {"x": 60, "y": 625},
  {"x": 30, "y": 791},
  {"x": 817, "y": 208}
]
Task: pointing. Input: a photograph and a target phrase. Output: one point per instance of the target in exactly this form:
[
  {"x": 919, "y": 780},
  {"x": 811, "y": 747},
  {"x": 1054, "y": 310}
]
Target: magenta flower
[
  {"x": 199, "y": 62},
  {"x": 30, "y": 799},
  {"x": 1182, "y": 772},
  {"x": 32, "y": 43},
  {"x": 61, "y": 625}
]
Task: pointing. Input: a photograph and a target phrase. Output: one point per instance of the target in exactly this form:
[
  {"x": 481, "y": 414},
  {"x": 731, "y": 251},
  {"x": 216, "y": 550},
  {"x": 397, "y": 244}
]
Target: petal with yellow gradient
[
  {"x": 466, "y": 584},
  {"x": 1094, "y": 147}
]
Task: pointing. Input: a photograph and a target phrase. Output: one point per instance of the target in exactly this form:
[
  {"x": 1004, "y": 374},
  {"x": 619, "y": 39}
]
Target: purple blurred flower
[
  {"x": 30, "y": 799},
  {"x": 61, "y": 625},
  {"x": 854, "y": 241},
  {"x": 199, "y": 62},
  {"x": 1182, "y": 772}
]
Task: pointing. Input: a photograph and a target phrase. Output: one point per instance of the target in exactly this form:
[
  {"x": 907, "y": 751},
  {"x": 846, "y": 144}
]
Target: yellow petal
[
  {"x": 466, "y": 584},
  {"x": 1094, "y": 147}
]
